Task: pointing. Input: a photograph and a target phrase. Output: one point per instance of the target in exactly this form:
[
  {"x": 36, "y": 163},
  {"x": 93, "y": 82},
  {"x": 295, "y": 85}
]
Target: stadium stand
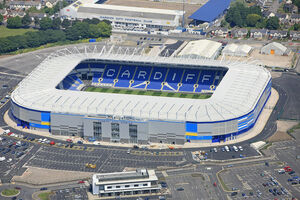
[
  {"x": 157, "y": 78},
  {"x": 141, "y": 77},
  {"x": 125, "y": 75},
  {"x": 145, "y": 77}
]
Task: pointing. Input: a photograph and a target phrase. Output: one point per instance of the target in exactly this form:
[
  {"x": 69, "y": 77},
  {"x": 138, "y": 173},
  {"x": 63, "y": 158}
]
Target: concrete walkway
[{"x": 260, "y": 124}]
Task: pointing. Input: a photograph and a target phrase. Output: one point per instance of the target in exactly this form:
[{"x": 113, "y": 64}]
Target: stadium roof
[
  {"x": 211, "y": 10},
  {"x": 236, "y": 95},
  {"x": 201, "y": 48},
  {"x": 123, "y": 10}
]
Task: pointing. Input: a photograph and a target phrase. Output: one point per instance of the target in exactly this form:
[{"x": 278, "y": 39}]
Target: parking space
[
  {"x": 192, "y": 186},
  {"x": 7, "y": 84},
  {"x": 78, "y": 193},
  {"x": 14, "y": 153},
  {"x": 257, "y": 181}
]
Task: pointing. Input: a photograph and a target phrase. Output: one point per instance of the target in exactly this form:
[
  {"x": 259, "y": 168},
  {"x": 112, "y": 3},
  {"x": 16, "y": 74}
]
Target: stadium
[{"x": 123, "y": 96}]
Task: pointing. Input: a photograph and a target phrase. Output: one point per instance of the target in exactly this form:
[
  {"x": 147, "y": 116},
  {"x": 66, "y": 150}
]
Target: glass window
[
  {"x": 145, "y": 184},
  {"x": 133, "y": 133},
  {"x": 97, "y": 126},
  {"x": 115, "y": 131},
  {"x": 126, "y": 186},
  {"x": 109, "y": 187}
]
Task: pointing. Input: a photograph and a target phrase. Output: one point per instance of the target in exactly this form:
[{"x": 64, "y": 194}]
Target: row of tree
[
  {"x": 242, "y": 16},
  {"x": 79, "y": 30}
]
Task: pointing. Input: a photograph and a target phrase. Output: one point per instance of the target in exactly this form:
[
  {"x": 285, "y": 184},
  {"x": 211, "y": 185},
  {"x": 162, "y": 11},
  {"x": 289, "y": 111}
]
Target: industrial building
[
  {"x": 52, "y": 97},
  {"x": 201, "y": 49},
  {"x": 275, "y": 48},
  {"x": 125, "y": 17},
  {"x": 141, "y": 181},
  {"x": 237, "y": 50},
  {"x": 210, "y": 12}
]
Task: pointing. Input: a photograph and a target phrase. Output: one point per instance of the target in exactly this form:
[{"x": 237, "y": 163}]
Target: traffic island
[{"x": 10, "y": 192}]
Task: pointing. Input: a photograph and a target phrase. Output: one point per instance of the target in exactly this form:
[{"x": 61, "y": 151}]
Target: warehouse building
[
  {"x": 125, "y": 17},
  {"x": 201, "y": 49},
  {"x": 275, "y": 48},
  {"x": 237, "y": 50},
  {"x": 141, "y": 181}
]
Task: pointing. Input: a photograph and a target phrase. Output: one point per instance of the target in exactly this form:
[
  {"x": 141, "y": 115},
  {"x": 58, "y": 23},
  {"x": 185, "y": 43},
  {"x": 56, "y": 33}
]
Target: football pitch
[{"x": 148, "y": 93}]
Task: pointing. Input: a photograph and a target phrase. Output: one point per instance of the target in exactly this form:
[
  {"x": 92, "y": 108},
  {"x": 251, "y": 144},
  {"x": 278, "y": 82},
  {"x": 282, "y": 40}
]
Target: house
[
  {"x": 267, "y": 14},
  {"x": 239, "y": 33},
  {"x": 276, "y": 34},
  {"x": 282, "y": 17},
  {"x": 295, "y": 18},
  {"x": 38, "y": 15},
  {"x": 291, "y": 8},
  {"x": 275, "y": 48},
  {"x": 258, "y": 33},
  {"x": 219, "y": 31},
  {"x": 24, "y": 4},
  {"x": 295, "y": 35},
  {"x": 13, "y": 13}
]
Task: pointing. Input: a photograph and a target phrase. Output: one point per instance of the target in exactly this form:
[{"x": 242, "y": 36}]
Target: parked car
[{"x": 44, "y": 188}]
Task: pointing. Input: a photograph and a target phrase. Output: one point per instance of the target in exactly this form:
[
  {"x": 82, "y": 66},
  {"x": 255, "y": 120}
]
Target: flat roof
[
  {"x": 124, "y": 177},
  {"x": 201, "y": 48},
  {"x": 211, "y": 10},
  {"x": 236, "y": 95},
  {"x": 102, "y": 7}
]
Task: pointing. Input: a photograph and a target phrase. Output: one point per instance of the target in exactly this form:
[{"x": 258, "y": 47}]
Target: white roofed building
[
  {"x": 201, "y": 49},
  {"x": 275, "y": 48},
  {"x": 124, "y": 16},
  {"x": 237, "y": 50},
  {"x": 141, "y": 181}
]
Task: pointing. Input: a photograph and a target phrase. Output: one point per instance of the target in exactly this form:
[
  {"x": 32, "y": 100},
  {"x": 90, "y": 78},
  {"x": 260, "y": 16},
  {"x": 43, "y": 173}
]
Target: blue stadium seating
[
  {"x": 158, "y": 76},
  {"x": 189, "y": 79},
  {"x": 205, "y": 80},
  {"x": 141, "y": 76},
  {"x": 110, "y": 73},
  {"x": 125, "y": 75},
  {"x": 96, "y": 77},
  {"x": 173, "y": 78},
  {"x": 145, "y": 77}
]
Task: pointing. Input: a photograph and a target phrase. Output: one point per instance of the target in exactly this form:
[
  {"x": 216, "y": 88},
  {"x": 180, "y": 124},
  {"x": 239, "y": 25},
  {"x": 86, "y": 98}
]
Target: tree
[
  {"x": 272, "y": 23},
  {"x": 80, "y": 30},
  {"x": 66, "y": 23},
  {"x": 14, "y": 22},
  {"x": 56, "y": 23},
  {"x": 1, "y": 19},
  {"x": 45, "y": 23},
  {"x": 36, "y": 22},
  {"x": 105, "y": 29},
  {"x": 252, "y": 19},
  {"x": 26, "y": 20}
]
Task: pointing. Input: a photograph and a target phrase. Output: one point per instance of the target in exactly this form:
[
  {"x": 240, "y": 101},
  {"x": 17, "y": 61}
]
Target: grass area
[
  {"x": 148, "y": 93},
  {"x": 224, "y": 186},
  {"x": 5, "y": 32},
  {"x": 44, "y": 196},
  {"x": 198, "y": 175},
  {"x": 10, "y": 192},
  {"x": 294, "y": 128}
]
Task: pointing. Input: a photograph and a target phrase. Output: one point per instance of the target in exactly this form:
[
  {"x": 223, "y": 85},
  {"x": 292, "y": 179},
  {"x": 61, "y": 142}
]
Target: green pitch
[{"x": 148, "y": 93}]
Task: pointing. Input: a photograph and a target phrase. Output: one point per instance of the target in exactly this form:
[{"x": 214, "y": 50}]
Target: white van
[
  {"x": 235, "y": 148},
  {"x": 227, "y": 148}
]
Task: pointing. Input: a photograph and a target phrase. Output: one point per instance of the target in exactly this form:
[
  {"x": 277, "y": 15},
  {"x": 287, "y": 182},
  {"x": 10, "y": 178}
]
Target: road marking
[{"x": 18, "y": 75}]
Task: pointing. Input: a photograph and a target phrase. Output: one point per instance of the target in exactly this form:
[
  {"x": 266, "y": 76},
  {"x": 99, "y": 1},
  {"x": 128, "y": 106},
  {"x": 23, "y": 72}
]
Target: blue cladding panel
[
  {"x": 199, "y": 137},
  {"x": 191, "y": 127},
  {"x": 45, "y": 117}
]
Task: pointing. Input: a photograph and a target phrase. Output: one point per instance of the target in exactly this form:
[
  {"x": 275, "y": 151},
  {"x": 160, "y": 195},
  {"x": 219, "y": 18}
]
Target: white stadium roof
[{"x": 236, "y": 95}]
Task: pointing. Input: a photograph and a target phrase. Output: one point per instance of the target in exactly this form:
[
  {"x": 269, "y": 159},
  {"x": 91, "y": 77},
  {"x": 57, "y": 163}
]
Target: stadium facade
[{"x": 52, "y": 98}]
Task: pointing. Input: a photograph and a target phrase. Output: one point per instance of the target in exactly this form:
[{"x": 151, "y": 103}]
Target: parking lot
[
  {"x": 192, "y": 185},
  {"x": 257, "y": 181},
  {"x": 77, "y": 193},
  {"x": 14, "y": 154}
]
